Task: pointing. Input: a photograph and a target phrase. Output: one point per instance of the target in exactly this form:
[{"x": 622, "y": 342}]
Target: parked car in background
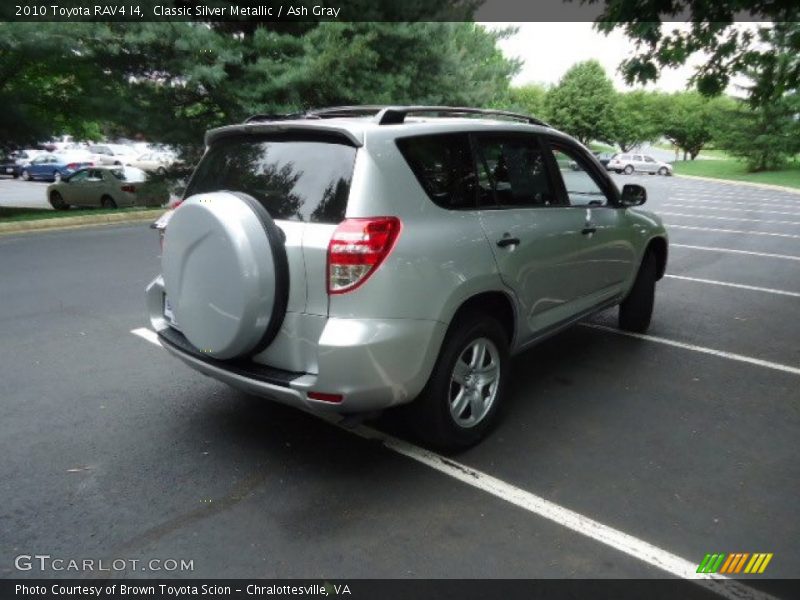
[
  {"x": 111, "y": 154},
  {"x": 10, "y": 164},
  {"x": 54, "y": 167},
  {"x": 109, "y": 187},
  {"x": 152, "y": 162},
  {"x": 638, "y": 163},
  {"x": 602, "y": 157}
]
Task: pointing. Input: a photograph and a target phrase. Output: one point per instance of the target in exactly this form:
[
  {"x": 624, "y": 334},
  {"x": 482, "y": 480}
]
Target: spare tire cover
[{"x": 225, "y": 273}]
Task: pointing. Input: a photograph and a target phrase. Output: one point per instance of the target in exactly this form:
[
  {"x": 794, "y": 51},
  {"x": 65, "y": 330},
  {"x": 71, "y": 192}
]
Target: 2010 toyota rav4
[{"x": 353, "y": 259}]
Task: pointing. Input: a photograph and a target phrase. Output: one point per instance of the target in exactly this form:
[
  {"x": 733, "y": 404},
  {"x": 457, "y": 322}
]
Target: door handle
[
  {"x": 589, "y": 229},
  {"x": 508, "y": 241}
]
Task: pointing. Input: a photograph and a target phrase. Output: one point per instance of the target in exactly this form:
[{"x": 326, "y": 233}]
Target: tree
[
  {"x": 764, "y": 136},
  {"x": 728, "y": 50},
  {"x": 171, "y": 81},
  {"x": 690, "y": 120},
  {"x": 637, "y": 119},
  {"x": 582, "y": 103},
  {"x": 528, "y": 99}
]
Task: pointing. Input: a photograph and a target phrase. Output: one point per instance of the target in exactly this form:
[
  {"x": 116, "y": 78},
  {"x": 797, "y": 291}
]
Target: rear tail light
[
  {"x": 357, "y": 249},
  {"x": 72, "y": 166},
  {"x": 128, "y": 188},
  {"x": 333, "y": 398}
]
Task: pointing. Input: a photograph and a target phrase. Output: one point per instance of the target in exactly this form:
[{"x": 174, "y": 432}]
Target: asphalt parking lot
[
  {"x": 23, "y": 194},
  {"x": 686, "y": 440}
]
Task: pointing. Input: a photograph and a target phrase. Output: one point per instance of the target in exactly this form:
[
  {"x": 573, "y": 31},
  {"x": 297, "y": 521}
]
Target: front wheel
[
  {"x": 459, "y": 405},
  {"x": 25, "y": 175},
  {"x": 663, "y": 171},
  {"x": 636, "y": 310},
  {"x": 57, "y": 201}
]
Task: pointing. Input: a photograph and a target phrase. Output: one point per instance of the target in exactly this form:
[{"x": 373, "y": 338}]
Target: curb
[
  {"x": 57, "y": 223},
  {"x": 763, "y": 186}
]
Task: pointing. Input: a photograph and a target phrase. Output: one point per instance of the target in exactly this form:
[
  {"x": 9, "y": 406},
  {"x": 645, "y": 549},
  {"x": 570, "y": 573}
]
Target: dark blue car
[{"x": 52, "y": 167}]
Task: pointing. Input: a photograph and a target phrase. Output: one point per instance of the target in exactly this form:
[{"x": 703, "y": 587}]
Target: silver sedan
[{"x": 108, "y": 187}]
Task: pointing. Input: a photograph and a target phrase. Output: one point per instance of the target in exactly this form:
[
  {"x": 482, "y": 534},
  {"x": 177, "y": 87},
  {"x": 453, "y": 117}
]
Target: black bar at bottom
[{"x": 391, "y": 589}]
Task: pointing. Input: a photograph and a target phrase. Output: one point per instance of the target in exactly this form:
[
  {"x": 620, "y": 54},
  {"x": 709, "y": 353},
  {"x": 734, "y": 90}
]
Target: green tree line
[{"x": 170, "y": 82}]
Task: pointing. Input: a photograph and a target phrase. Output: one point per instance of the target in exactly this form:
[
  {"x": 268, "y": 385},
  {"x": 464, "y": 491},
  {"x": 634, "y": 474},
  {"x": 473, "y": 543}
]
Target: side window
[
  {"x": 514, "y": 169},
  {"x": 649, "y": 159},
  {"x": 444, "y": 168},
  {"x": 79, "y": 176},
  {"x": 582, "y": 188}
]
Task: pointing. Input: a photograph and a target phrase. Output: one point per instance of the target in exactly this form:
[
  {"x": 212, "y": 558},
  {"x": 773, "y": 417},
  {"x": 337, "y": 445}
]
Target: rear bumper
[{"x": 372, "y": 363}]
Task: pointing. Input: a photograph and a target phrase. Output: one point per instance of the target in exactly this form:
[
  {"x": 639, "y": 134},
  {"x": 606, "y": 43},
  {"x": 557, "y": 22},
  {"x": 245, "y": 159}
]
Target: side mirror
[{"x": 633, "y": 194}]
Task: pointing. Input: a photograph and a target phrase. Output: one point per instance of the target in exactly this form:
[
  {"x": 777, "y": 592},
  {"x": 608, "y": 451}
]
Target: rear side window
[
  {"x": 294, "y": 179},
  {"x": 444, "y": 168},
  {"x": 514, "y": 168}
]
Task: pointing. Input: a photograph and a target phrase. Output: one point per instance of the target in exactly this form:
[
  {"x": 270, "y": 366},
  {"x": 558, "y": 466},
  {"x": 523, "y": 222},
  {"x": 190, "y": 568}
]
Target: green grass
[
  {"x": 34, "y": 214},
  {"x": 736, "y": 171}
]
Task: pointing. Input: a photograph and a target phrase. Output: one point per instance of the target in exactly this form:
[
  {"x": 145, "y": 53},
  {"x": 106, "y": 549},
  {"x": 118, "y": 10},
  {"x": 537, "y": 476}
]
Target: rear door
[
  {"x": 303, "y": 180},
  {"x": 533, "y": 233}
]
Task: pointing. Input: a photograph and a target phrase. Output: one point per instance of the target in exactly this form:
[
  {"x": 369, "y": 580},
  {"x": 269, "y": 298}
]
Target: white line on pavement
[
  {"x": 723, "y": 209},
  {"x": 732, "y": 251},
  {"x": 702, "y": 349},
  {"x": 147, "y": 334},
  {"x": 719, "y": 218},
  {"x": 716, "y": 200},
  {"x": 770, "y": 233},
  {"x": 741, "y": 286},
  {"x": 614, "y": 538}
]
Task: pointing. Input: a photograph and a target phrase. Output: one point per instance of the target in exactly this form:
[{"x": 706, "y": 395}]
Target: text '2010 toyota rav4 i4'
[{"x": 354, "y": 259}]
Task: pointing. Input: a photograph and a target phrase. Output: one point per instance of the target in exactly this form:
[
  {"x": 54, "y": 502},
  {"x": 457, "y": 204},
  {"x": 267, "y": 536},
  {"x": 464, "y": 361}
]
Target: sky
[{"x": 549, "y": 49}]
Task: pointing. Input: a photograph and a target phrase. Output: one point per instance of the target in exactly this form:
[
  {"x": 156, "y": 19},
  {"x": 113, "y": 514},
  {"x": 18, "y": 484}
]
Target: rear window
[
  {"x": 294, "y": 179},
  {"x": 444, "y": 168},
  {"x": 131, "y": 174}
]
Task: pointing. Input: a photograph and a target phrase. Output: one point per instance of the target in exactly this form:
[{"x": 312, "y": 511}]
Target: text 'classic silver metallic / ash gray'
[{"x": 360, "y": 258}]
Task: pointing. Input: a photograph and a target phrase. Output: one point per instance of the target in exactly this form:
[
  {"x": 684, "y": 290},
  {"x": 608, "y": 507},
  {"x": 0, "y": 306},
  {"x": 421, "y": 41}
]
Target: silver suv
[{"x": 354, "y": 259}]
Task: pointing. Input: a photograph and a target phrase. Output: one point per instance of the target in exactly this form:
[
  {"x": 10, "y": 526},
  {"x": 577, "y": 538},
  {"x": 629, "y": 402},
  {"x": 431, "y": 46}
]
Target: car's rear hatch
[{"x": 302, "y": 178}]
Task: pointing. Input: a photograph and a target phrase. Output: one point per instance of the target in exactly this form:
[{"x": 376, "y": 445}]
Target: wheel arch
[
  {"x": 658, "y": 246},
  {"x": 495, "y": 303}
]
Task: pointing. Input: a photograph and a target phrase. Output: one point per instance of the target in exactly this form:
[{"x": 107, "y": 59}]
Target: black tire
[
  {"x": 25, "y": 175},
  {"x": 636, "y": 310},
  {"x": 663, "y": 171},
  {"x": 628, "y": 170},
  {"x": 57, "y": 201},
  {"x": 431, "y": 413},
  {"x": 107, "y": 202}
]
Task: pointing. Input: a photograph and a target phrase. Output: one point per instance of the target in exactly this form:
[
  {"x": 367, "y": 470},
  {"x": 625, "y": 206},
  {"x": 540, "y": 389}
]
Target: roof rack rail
[
  {"x": 392, "y": 115},
  {"x": 276, "y": 117}
]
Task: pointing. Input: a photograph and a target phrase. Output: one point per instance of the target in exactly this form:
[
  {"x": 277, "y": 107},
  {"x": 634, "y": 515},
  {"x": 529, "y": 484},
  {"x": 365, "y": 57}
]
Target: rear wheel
[
  {"x": 460, "y": 402},
  {"x": 107, "y": 202},
  {"x": 57, "y": 201},
  {"x": 636, "y": 310},
  {"x": 628, "y": 170},
  {"x": 25, "y": 175}
]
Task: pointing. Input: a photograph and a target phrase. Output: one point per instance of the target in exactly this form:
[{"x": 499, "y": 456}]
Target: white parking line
[
  {"x": 723, "y": 209},
  {"x": 741, "y": 286},
  {"x": 719, "y": 218},
  {"x": 747, "y": 232},
  {"x": 732, "y": 251},
  {"x": 702, "y": 349},
  {"x": 147, "y": 334},
  {"x": 583, "y": 525},
  {"x": 716, "y": 200}
]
